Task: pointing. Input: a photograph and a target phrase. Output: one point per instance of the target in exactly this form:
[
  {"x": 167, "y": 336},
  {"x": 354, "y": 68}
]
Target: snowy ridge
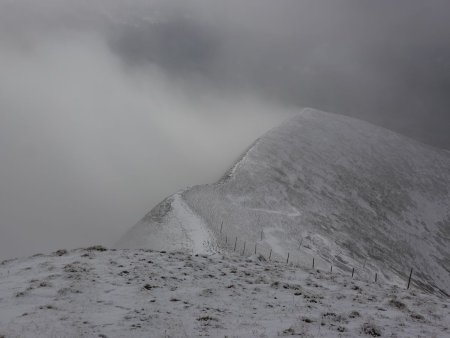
[
  {"x": 341, "y": 190},
  {"x": 230, "y": 173},
  {"x": 178, "y": 230}
]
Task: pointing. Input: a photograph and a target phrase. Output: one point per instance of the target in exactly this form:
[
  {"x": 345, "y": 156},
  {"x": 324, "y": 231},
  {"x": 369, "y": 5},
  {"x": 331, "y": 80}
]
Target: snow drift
[{"x": 326, "y": 186}]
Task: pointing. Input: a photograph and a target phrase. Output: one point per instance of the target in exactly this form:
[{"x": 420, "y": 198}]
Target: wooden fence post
[
  {"x": 376, "y": 275},
  {"x": 255, "y": 248},
  {"x": 243, "y": 250},
  {"x": 287, "y": 260},
  {"x": 409, "y": 280},
  {"x": 353, "y": 271},
  {"x": 270, "y": 255},
  {"x": 331, "y": 268},
  {"x": 313, "y": 263},
  {"x": 235, "y": 242}
]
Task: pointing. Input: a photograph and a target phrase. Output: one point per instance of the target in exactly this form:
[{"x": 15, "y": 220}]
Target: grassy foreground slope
[{"x": 138, "y": 293}]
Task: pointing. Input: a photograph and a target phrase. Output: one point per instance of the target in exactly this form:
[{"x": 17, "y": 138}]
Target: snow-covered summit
[{"x": 321, "y": 185}]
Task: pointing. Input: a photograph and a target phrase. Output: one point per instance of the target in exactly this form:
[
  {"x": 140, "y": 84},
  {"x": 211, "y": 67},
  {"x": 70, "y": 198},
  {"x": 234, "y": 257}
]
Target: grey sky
[{"x": 107, "y": 107}]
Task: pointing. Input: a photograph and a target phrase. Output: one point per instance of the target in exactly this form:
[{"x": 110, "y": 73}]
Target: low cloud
[
  {"x": 107, "y": 107},
  {"x": 88, "y": 145}
]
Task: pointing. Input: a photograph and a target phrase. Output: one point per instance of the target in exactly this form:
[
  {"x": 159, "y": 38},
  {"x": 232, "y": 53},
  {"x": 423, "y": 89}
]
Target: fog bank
[{"x": 107, "y": 106}]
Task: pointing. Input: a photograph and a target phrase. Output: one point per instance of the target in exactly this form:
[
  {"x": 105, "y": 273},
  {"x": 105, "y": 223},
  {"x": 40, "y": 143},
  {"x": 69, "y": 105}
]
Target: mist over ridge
[{"x": 107, "y": 107}]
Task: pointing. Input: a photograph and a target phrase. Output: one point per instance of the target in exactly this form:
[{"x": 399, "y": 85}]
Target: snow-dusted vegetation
[{"x": 137, "y": 293}]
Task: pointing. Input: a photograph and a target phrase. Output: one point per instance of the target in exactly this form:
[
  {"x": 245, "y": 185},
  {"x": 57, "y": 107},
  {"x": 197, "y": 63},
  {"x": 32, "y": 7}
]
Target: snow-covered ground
[{"x": 138, "y": 293}]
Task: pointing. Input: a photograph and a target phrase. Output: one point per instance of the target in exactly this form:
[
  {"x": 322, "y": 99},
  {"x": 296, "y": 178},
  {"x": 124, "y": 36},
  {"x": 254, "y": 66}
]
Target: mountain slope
[
  {"x": 173, "y": 226},
  {"x": 335, "y": 188}
]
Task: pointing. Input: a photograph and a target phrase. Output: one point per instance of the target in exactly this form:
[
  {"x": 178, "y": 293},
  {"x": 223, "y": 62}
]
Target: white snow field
[
  {"x": 322, "y": 186},
  {"x": 142, "y": 293}
]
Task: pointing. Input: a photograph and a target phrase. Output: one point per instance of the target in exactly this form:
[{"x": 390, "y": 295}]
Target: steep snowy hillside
[
  {"x": 172, "y": 225},
  {"x": 137, "y": 293},
  {"x": 323, "y": 186}
]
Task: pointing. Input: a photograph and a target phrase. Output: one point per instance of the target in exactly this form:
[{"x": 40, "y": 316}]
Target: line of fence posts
[{"x": 313, "y": 260}]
